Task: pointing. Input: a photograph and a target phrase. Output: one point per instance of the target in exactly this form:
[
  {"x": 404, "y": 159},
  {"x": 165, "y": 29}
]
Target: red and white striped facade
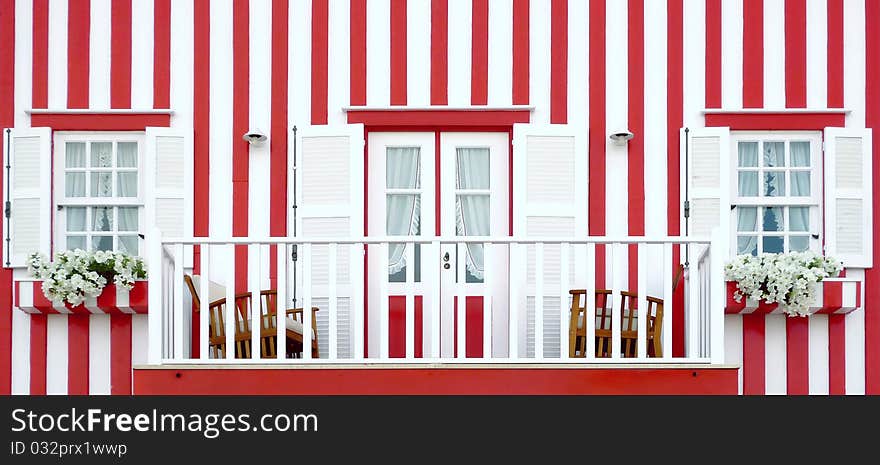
[{"x": 652, "y": 66}]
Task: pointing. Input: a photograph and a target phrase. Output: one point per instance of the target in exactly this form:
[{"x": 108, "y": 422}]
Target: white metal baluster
[
  {"x": 461, "y": 307},
  {"x": 616, "y": 300},
  {"x": 513, "y": 306},
  {"x": 331, "y": 303},
  {"x": 410, "y": 312},
  {"x": 539, "y": 301},
  {"x": 154, "y": 318},
  {"x": 204, "y": 301},
  {"x": 692, "y": 323},
  {"x": 383, "y": 301},
  {"x": 668, "y": 277},
  {"x": 590, "y": 302},
  {"x": 357, "y": 253},
  {"x": 230, "y": 304},
  {"x": 254, "y": 286},
  {"x": 642, "y": 285},
  {"x": 487, "y": 301},
  {"x": 307, "y": 302},
  {"x": 564, "y": 320},
  {"x": 177, "y": 285},
  {"x": 281, "y": 302},
  {"x": 434, "y": 281}
]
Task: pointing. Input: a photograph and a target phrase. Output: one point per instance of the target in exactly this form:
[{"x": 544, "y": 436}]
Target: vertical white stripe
[
  {"x": 539, "y": 62},
  {"x": 855, "y": 342},
  {"x": 655, "y": 132},
  {"x": 418, "y": 53},
  {"x": 731, "y": 54},
  {"x": 221, "y": 122},
  {"x": 500, "y": 52},
  {"x": 733, "y": 345},
  {"x": 616, "y": 93},
  {"x": 694, "y": 59},
  {"x": 460, "y": 28},
  {"x": 259, "y": 111},
  {"x": 379, "y": 53},
  {"x": 774, "y": 53},
  {"x": 339, "y": 59},
  {"x": 99, "y": 55},
  {"x": 142, "y": 38},
  {"x": 99, "y": 354},
  {"x": 23, "y": 60},
  {"x": 775, "y": 346},
  {"x": 299, "y": 64},
  {"x": 854, "y": 62},
  {"x": 578, "y": 63},
  {"x": 21, "y": 352},
  {"x": 56, "y": 354},
  {"x": 138, "y": 340},
  {"x": 818, "y": 353},
  {"x": 181, "y": 64},
  {"x": 817, "y": 53},
  {"x": 57, "y": 68}
]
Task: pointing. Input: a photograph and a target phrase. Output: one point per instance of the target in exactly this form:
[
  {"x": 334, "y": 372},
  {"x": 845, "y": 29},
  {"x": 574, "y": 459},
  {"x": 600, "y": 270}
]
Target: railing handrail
[{"x": 441, "y": 239}]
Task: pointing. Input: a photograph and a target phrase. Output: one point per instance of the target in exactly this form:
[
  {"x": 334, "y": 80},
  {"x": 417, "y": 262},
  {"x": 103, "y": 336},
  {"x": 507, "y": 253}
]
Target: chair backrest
[
  {"x": 628, "y": 324},
  {"x": 577, "y": 331}
]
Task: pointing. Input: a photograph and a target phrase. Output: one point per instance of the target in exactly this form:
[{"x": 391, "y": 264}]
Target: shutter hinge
[
  {"x": 7, "y": 209},
  {"x": 687, "y": 209},
  {"x": 294, "y": 254}
]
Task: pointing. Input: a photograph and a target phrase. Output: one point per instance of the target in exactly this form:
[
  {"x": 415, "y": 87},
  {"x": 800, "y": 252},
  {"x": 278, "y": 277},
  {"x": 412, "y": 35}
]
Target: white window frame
[
  {"x": 61, "y": 201},
  {"x": 814, "y": 201}
]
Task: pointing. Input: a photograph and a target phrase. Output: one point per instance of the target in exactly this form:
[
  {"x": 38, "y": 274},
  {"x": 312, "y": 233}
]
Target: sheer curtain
[
  {"x": 75, "y": 157},
  {"x": 472, "y": 210},
  {"x": 800, "y": 158},
  {"x": 747, "y": 219},
  {"x": 402, "y": 211},
  {"x": 748, "y": 158}
]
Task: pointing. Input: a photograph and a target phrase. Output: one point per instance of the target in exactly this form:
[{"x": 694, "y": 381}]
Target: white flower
[{"x": 74, "y": 274}]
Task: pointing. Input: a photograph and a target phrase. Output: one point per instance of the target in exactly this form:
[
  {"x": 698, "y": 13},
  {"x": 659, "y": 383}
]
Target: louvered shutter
[
  {"x": 29, "y": 195},
  {"x": 848, "y": 219},
  {"x": 330, "y": 204},
  {"x": 169, "y": 183},
  {"x": 706, "y": 171},
  {"x": 550, "y": 199}
]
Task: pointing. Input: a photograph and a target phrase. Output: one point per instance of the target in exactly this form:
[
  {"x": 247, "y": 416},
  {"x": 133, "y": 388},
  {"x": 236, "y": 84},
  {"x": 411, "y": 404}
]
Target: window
[
  {"x": 472, "y": 195},
  {"x": 99, "y": 191},
  {"x": 403, "y": 197},
  {"x": 777, "y": 192}
]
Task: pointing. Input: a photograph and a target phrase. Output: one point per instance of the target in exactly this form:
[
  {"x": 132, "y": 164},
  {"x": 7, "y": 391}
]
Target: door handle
[{"x": 446, "y": 261}]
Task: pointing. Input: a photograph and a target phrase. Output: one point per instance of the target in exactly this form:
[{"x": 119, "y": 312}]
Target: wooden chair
[{"x": 628, "y": 324}]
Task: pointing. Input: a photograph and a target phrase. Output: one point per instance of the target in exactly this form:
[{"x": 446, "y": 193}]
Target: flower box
[
  {"x": 833, "y": 296},
  {"x": 112, "y": 300}
]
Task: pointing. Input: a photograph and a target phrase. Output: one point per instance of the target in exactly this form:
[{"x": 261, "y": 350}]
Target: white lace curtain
[
  {"x": 402, "y": 211},
  {"x": 472, "y": 209}
]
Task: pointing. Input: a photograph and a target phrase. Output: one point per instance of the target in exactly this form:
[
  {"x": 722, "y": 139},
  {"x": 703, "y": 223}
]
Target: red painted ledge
[
  {"x": 775, "y": 121},
  {"x": 435, "y": 381},
  {"x": 100, "y": 121},
  {"x": 446, "y": 117}
]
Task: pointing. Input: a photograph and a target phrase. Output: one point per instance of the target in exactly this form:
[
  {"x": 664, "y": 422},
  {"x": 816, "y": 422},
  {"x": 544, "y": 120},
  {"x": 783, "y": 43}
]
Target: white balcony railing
[{"x": 522, "y": 332}]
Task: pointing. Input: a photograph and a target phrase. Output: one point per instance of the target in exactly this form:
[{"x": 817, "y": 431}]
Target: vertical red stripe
[
  {"x": 120, "y": 354},
  {"x": 797, "y": 355},
  {"x": 480, "y": 52},
  {"x": 439, "y": 51},
  {"x": 835, "y": 53},
  {"x": 162, "y": 54},
  {"x": 201, "y": 113},
  {"x": 795, "y": 53},
  {"x": 521, "y": 51},
  {"x": 753, "y": 54},
  {"x": 872, "y": 275},
  {"x": 78, "y": 21},
  {"x": 636, "y": 123},
  {"x": 320, "y": 24},
  {"x": 120, "y": 54},
  {"x": 240, "y": 148},
  {"x": 597, "y": 132},
  {"x": 437, "y": 183},
  {"x": 40, "y": 70},
  {"x": 278, "y": 134},
  {"x": 559, "y": 61},
  {"x": 836, "y": 354},
  {"x": 473, "y": 338},
  {"x": 7, "y": 120},
  {"x": 397, "y": 326},
  {"x": 78, "y": 354},
  {"x": 398, "y": 52},
  {"x": 674, "y": 119},
  {"x": 753, "y": 354},
  {"x": 358, "y": 50},
  {"x": 713, "y": 53},
  {"x": 38, "y": 354}
]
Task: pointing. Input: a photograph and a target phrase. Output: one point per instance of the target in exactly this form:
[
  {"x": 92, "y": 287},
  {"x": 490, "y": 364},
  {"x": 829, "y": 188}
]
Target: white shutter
[
  {"x": 29, "y": 187},
  {"x": 705, "y": 158},
  {"x": 329, "y": 180},
  {"x": 550, "y": 199},
  {"x": 169, "y": 183},
  {"x": 848, "y": 194}
]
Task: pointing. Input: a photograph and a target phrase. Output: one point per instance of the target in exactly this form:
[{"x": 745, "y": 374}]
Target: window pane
[
  {"x": 102, "y": 154},
  {"x": 128, "y": 218},
  {"x": 800, "y": 183},
  {"x": 126, "y": 153},
  {"x": 774, "y": 184},
  {"x": 102, "y": 184},
  {"x": 800, "y": 153},
  {"x": 772, "y": 220},
  {"x": 402, "y": 168},
  {"x": 799, "y": 219},
  {"x": 102, "y": 243},
  {"x": 747, "y": 245},
  {"x": 747, "y": 218},
  {"x": 798, "y": 243},
  {"x": 472, "y": 168},
  {"x": 127, "y": 184},
  {"x": 75, "y": 184},
  {"x": 76, "y": 242},
  {"x": 748, "y": 154},
  {"x": 76, "y": 218},
  {"x": 748, "y": 183},
  {"x": 128, "y": 244},
  {"x": 774, "y": 154},
  {"x": 75, "y": 154},
  {"x": 102, "y": 219},
  {"x": 773, "y": 244}
]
